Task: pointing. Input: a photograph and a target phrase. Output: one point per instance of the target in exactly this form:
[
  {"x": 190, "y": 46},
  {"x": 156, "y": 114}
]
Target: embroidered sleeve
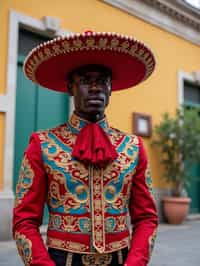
[
  {"x": 143, "y": 213},
  {"x": 29, "y": 205}
]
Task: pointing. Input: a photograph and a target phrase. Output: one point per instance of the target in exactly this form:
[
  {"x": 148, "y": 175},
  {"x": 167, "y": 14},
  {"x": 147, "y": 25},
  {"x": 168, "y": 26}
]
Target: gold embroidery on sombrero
[
  {"x": 103, "y": 43},
  {"x": 152, "y": 239},
  {"x": 96, "y": 260},
  {"x": 24, "y": 247},
  {"x": 25, "y": 180},
  {"x": 64, "y": 45}
]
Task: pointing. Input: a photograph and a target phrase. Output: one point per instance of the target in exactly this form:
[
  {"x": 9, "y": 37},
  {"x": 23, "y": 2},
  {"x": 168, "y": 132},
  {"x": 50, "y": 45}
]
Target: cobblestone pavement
[{"x": 175, "y": 246}]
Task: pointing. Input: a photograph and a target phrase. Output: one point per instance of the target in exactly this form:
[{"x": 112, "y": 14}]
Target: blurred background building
[{"x": 171, "y": 28}]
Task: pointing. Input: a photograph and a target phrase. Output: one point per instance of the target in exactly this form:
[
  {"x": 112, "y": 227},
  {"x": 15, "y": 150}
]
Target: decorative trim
[
  {"x": 7, "y": 102},
  {"x": 98, "y": 209},
  {"x": 69, "y": 259},
  {"x": 94, "y": 41},
  {"x": 175, "y": 16},
  {"x": 76, "y": 247},
  {"x": 24, "y": 246},
  {"x": 152, "y": 239},
  {"x": 25, "y": 180},
  {"x": 96, "y": 260}
]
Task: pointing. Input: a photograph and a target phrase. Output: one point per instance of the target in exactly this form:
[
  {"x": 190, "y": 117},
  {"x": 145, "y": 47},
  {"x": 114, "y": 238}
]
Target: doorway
[
  {"x": 36, "y": 107},
  {"x": 192, "y": 100}
]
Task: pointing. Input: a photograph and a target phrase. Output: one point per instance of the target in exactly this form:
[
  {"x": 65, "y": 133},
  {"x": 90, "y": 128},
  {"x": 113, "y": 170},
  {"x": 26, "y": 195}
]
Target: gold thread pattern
[
  {"x": 148, "y": 180},
  {"x": 67, "y": 245},
  {"x": 77, "y": 247},
  {"x": 74, "y": 224},
  {"x": 98, "y": 223},
  {"x": 69, "y": 259},
  {"x": 25, "y": 180},
  {"x": 69, "y": 44},
  {"x": 24, "y": 247},
  {"x": 96, "y": 260},
  {"x": 69, "y": 223},
  {"x": 152, "y": 239},
  {"x": 62, "y": 169},
  {"x": 120, "y": 257}
]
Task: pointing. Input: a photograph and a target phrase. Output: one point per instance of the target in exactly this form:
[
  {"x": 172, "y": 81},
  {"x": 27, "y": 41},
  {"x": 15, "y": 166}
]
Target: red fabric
[
  {"x": 131, "y": 61},
  {"x": 93, "y": 146},
  {"x": 143, "y": 215},
  {"x": 52, "y": 73},
  {"x": 27, "y": 216}
]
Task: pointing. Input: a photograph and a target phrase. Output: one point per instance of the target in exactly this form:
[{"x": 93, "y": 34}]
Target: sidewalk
[{"x": 175, "y": 246}]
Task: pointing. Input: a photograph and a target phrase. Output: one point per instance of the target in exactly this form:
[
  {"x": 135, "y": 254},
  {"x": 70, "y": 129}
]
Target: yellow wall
[{"x": 155, "y": 96}]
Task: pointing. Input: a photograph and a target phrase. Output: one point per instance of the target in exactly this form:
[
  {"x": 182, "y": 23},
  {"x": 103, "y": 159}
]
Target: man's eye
[
  {"x": 84, "y": 80},
  {"x": 102, "y": 81}
]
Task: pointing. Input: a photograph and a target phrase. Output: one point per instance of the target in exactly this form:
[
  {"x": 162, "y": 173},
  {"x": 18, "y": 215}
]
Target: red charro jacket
[{"x": 88, "y": 207}]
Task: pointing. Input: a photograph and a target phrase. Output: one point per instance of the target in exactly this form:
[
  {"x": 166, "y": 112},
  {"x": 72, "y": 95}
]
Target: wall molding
[
  {"x": 7, "y": 101},
  {"x": 175, "y": 16}
]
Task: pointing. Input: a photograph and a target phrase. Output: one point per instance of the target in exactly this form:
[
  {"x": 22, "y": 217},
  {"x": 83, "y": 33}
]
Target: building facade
[{"x": 170, "y": 28}]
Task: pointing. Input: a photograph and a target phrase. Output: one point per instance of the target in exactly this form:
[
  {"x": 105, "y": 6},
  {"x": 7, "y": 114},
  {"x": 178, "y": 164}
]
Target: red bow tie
[{"x": 94, "y": 147}]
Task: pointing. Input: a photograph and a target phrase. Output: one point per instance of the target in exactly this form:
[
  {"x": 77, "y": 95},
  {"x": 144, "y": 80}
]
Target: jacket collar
[{"x": 76, "y": 123}]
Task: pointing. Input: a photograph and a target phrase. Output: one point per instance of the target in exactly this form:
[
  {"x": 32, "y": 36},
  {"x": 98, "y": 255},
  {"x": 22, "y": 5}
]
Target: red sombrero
[{"x": 50, "y": 63}]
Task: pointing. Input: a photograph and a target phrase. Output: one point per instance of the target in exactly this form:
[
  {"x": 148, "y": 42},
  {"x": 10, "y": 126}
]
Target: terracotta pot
[{"x": 176, "y": 209}]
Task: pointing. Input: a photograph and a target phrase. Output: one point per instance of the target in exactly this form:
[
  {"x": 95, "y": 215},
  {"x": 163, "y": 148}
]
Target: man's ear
[{"x": 110, "y": 92}]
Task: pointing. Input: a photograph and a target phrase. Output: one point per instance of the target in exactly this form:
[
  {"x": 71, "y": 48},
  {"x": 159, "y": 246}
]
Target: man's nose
[{"x": 94, "y": 86}]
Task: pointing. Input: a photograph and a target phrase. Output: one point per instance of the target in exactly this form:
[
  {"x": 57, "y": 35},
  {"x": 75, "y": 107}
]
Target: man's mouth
[{"x": 95, "y": 101}]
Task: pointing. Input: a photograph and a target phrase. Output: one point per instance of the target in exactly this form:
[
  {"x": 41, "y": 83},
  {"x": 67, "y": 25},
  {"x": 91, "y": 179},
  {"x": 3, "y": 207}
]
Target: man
[{"x": 91, "y": 175}]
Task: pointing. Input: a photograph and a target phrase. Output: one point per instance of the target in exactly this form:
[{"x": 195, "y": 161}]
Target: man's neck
[{"x": 90, "y": 117}]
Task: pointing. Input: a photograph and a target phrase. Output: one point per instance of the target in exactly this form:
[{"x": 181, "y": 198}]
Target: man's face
[{"x": 91, "y": 90}]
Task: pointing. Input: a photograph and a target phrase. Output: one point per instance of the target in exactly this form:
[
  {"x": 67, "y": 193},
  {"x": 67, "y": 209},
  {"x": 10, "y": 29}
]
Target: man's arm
[
  {"x": 143, "y": 214},
  {"x": 31, "y": 194}
]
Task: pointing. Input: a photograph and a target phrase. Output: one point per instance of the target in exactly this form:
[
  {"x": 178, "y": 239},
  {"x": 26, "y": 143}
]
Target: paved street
[{"x": 175, "y": 246}]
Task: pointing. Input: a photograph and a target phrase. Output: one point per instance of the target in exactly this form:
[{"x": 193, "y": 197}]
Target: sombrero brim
[{"x": 49, "y": 64}]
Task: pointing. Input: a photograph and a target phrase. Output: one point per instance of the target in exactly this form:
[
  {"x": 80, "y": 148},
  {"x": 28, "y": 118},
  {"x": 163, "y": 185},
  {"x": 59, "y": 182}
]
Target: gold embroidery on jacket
[
  {"x": 25, "y": 180},
  {"x": 148, "y": 180},
  {"x": 69, "y": 259},
  {"x": 96, "y": 260},
  {"x": 85, "y": 248},
  {"x": 24, "y": 247},
  {"x": 62, "y": 168},
  {"x": 66, "y": 245},
  {"x": 116, "y": 245},
  {"x": 98, "y": 223},
  {"x": 152, "y": 239},
  {"x": 68, "y": 223}
]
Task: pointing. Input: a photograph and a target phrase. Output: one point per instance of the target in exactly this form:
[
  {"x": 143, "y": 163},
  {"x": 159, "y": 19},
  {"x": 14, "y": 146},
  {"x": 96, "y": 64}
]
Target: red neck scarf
[{"x": 93, "y": 145}]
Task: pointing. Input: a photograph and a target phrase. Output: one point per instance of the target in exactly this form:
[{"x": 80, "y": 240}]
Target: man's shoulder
[
  {"x": 119, "y": 133},
  {"x": 57, "y": 130}
]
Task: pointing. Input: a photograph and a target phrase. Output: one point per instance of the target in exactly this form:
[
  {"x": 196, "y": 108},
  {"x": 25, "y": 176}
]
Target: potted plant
[{"x": 178, "y": 139}]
